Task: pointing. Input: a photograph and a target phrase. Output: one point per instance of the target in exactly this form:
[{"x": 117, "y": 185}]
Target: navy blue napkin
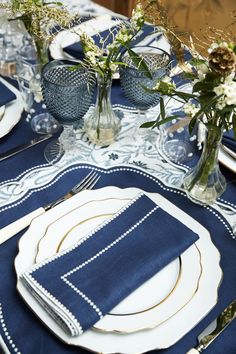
[
  {"x": 80, "y": 285},
  {"x": 76, "y": 49},
  {"x": 6, "y": 95},
  {"x": 229, "y": 141}
]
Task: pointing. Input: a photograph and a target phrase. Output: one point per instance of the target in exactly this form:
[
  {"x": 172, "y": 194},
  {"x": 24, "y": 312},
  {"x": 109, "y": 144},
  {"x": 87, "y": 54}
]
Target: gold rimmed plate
[
  {"x": 151, "y": 304},
  {"x": 160, "y": 336}
]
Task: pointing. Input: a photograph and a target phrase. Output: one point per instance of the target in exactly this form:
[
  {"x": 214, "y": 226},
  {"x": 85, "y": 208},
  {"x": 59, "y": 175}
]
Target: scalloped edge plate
[{"x": 165, "y": 334}]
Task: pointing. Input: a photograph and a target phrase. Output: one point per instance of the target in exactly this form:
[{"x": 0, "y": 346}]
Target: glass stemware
[
  {"x": 67, "y": 92},
  {"x": 135, "y": 79}
]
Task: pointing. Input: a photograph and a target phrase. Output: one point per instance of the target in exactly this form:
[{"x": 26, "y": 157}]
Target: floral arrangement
[
  {"x": 38, "y": 17},
  {"x": 103, "y": 125},
  {"x": 212, "y": 103},
  {"x": 105, "y": 59},
  {"x": 213, "y": 97}
]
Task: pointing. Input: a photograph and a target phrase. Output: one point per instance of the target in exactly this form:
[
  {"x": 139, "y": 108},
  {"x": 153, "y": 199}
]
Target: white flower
[
  {"x": 202, "y": 71},
  {"x": 91, "y": 57},
  {"x": 227, "y": 91},
  {"x": 137, "y": 17},
  {"x": 190, "y": 109},
  {"x": 219, "y": 90},
  {"x": 221, "y": 103},
  {"x": 123, "y": 37},
  {"x": 113, "y": 67},
  {"x": 213, "y": 47},
  {"x": 166, "y": 79},
  {"x": 217, "y": 45}
]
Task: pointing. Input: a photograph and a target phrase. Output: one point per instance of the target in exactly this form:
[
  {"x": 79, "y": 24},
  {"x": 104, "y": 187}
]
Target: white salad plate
[
  {"x": 198, "y": 266},
  {"x": 12, "y": 112}
]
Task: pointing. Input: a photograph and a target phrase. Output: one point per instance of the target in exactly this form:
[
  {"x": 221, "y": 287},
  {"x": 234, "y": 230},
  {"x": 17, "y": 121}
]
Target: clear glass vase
[
  {"x": 205, "y": 182},
  {"x": 101, "y": 124}
]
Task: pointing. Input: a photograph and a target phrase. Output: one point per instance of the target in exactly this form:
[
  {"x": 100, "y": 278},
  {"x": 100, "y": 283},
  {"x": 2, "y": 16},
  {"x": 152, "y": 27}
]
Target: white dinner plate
[
  {"x": 13, "y": 111},
  {"x": 161, "y": 336},
  {"x": 151, "y": 304}
]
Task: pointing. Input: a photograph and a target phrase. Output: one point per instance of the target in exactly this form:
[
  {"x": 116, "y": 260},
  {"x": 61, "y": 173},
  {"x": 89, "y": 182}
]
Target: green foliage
[{"x": 139, "y": 62}]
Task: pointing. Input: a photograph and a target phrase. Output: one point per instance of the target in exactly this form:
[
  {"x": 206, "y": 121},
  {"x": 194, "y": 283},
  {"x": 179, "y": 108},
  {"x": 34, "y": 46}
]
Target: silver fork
[{"x": 88, "y": 182}]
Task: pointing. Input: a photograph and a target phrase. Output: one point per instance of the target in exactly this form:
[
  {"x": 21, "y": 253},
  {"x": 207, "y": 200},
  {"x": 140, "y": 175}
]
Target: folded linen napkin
[
  {"x": 6, "y": 95},
  {"x": 229, "y": 141},
  {"x": 76, "y": 49},
  {"x": 80, "y": 285}
]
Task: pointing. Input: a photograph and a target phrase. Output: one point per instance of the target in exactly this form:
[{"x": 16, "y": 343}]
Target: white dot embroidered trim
[
  {"x": 6, "y": 333},
  {"x": 98, "y": 254},
  {"x": 75, "y": 330}
]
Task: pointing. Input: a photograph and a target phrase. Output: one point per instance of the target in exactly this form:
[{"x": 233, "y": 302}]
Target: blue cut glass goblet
[
  {"x": 134, "y": 79},
  {"x": 67, "y": 91}
]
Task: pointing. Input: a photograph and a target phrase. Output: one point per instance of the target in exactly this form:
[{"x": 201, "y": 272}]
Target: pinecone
[{"x": 222, "y": 60}]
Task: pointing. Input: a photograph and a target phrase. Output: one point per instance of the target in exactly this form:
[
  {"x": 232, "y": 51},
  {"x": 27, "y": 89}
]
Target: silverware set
[{"x": 12, "y": 229}]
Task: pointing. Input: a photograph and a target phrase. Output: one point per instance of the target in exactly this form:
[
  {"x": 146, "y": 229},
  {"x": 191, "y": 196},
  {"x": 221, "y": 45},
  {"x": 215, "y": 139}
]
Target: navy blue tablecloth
[
  {"x": 27, "y": 332},
  {"x": 20, "y": 329}
]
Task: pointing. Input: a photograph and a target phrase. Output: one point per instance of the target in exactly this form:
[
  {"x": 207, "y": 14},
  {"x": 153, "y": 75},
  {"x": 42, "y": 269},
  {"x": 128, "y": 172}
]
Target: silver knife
[
  {"x": 25, "y": 146},
  {"x": 12, "y": 229},
  {"x": 215, "y": 328}
]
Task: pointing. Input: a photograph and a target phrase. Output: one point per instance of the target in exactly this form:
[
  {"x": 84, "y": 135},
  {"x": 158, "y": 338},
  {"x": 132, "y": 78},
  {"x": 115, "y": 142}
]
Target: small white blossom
[
  {"x": 166, "y": 79},
  {"x": 113, "y": 67},
  {"x": 190, "y": 109},
  {"x": 221, "y": 104},
  {"x": 219, "y": 90},
  {"x": 228, "y": 90},
  {"x": 202, "y": 71},
  {"x": 217, "y": 45},
  {"x": 91, "y": 57},
  {"x": 123, "y": 37},
  {"x": 137, "y": 17}
]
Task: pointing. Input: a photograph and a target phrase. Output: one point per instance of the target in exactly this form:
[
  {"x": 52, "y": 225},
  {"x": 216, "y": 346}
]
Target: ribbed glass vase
[
  {"x": 205, "y": 182},
  {"x": 101, "y": 124}
]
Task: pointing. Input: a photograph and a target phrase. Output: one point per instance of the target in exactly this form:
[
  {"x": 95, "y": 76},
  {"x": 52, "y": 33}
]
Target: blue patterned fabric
[
  {"x": 114, "y": 260},
  {"x": 6, "y": 95}
]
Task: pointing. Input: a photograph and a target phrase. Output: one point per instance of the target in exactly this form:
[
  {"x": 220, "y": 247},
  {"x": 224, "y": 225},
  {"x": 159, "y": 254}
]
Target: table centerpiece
[
  {"x": 212, "y": 105},
  {"x": 102, "y": 124}
]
